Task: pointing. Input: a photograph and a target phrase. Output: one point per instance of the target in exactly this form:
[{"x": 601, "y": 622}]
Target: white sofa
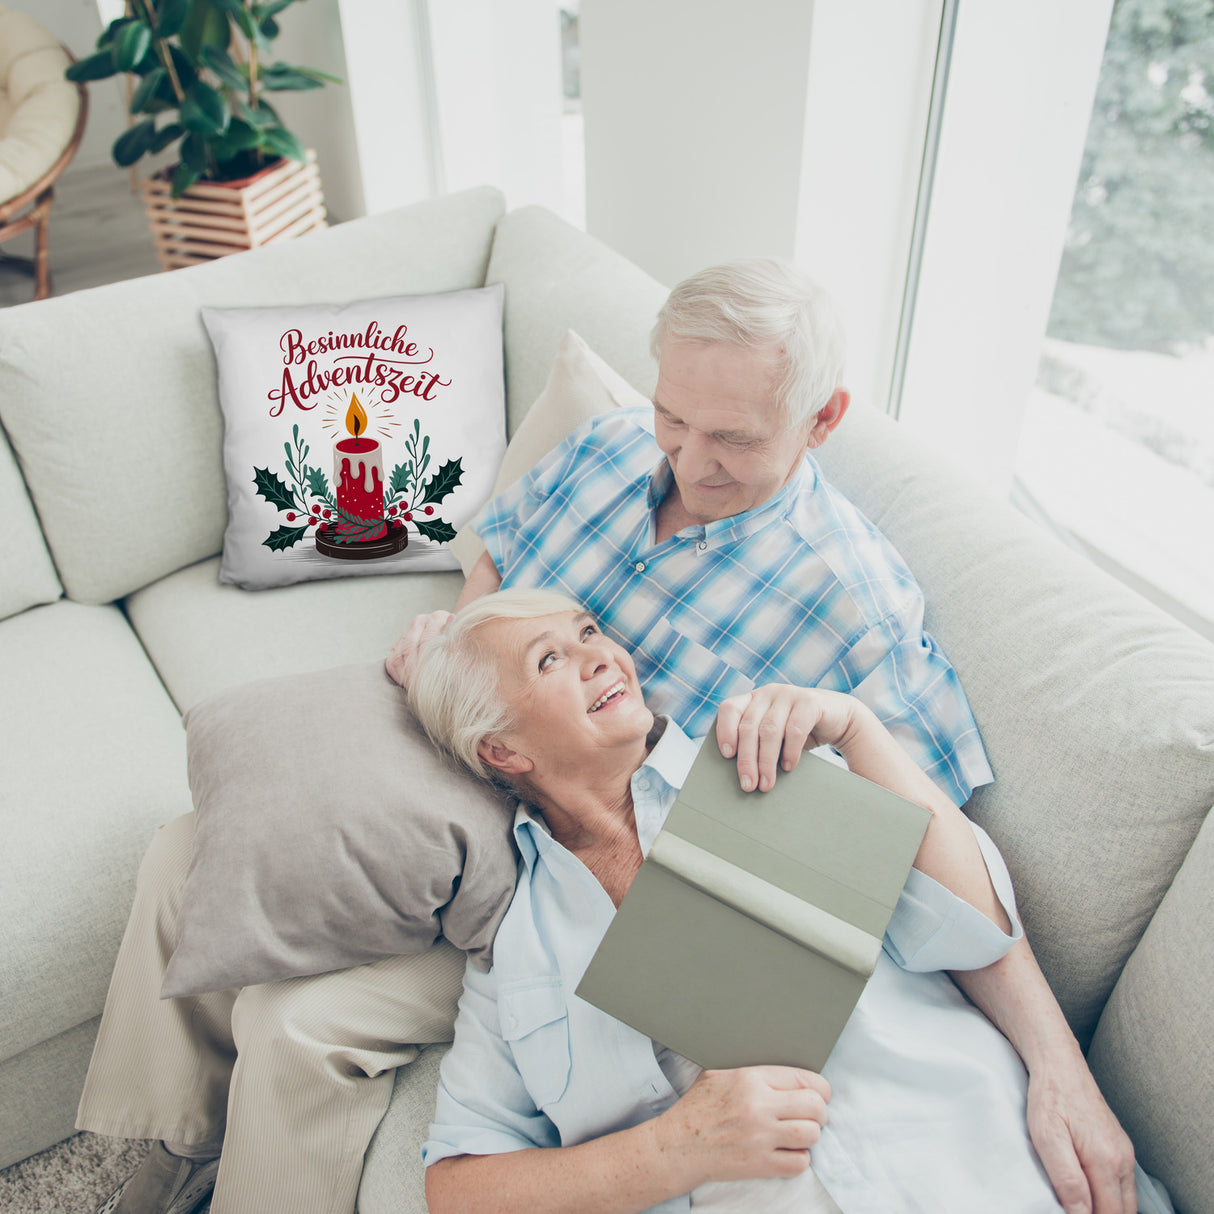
[{"x": 1097, "y": 711}]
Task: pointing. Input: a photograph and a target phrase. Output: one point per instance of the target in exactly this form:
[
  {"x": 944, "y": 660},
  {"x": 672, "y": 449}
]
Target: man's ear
[
  {"x": 829, "y": 416},
  {"x": 495, "y": 754}
]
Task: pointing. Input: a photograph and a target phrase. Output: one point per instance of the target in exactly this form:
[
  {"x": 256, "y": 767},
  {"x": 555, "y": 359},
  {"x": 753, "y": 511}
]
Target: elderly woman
[{"x": 547, "y": 1103}]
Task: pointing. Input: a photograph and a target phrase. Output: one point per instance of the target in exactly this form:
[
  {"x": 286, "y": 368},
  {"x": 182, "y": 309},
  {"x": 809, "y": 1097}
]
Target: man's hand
[
  {"x": 770, "y": 727},
  {"x": 1087, "y": 1155},
  {"x": 401, "y": 660}
]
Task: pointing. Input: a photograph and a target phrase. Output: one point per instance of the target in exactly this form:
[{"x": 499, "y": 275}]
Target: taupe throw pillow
[{"x": 330, "y": 833}]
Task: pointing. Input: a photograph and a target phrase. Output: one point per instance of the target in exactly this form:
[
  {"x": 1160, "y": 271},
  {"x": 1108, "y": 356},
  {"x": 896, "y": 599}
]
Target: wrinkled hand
[
  {"x": 401, "y": 660},
  {"x": 772, "y": 725},
  {"x": 1087, "y": 1155},
  {"x": 750, "y": 1122}
]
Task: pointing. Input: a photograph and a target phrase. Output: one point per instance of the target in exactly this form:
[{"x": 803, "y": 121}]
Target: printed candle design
[{"x": 358, "y": 474}]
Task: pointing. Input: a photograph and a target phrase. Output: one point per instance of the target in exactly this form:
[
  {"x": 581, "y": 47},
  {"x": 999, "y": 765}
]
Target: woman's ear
[{"x": 496, "y": 754}]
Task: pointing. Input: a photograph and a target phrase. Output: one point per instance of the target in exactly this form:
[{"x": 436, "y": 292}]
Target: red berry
[
  {"x": 323, "y": 527},
  {"x": 315, "y": 509},
  {"x": 429, "y": 509},
  {"x": 290, "y": 516},
  {"x": 408, "y": 517},
  {"x": 328, "y": 514},
  {"x": 404, "y": 505},
  {"x": 311, "y": 521},
  {"x": 391, "y": 509}
]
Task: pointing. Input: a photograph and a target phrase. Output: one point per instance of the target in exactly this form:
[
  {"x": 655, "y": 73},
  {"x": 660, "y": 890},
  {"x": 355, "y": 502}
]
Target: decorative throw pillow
[
  {"x": 358, "y": 438},
  {"x": 580, "y": 386},
  {"x": 315, "y": 853}
]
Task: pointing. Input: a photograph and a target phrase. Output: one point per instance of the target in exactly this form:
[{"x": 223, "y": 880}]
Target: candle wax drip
[{"x": 368, "y": 475}]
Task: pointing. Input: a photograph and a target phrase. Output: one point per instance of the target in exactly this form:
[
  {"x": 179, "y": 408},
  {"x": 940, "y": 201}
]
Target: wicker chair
[{"x": 42, "y": 118}]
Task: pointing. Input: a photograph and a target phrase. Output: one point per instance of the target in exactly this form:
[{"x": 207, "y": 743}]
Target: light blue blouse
[{"x": 928, "y": 1104}]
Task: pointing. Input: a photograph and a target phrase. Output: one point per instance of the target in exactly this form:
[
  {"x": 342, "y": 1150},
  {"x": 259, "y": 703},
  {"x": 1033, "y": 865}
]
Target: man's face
[
  {"x": 716, "y": 420},
  {"x": 573, "y": 691}
]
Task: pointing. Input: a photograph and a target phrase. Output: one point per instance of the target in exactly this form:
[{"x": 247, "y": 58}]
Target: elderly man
[{"x": 704, "y": 538}]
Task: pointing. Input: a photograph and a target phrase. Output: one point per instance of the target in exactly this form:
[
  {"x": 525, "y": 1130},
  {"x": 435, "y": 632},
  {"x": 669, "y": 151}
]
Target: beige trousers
[{"x": 293, "y": 1076}]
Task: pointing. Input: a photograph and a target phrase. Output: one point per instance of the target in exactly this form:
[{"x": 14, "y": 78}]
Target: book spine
[{"x": 802, "y": 922}]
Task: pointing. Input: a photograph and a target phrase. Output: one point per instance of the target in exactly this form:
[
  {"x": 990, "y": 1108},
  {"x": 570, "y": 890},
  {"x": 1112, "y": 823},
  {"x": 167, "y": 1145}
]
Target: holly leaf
[
  {"x": 443, "y": 482},
  {"x": 318, "y": 483},
  {"x": 284, "y": 537},
  {"x": 270, "y": 486},
  {"x": 437, "y": 529}
]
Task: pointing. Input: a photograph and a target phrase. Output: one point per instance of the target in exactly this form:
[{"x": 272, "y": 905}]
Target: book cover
[{"x": 755, "y": 921}]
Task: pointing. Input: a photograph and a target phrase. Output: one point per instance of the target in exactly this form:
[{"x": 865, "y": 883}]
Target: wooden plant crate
[{"x": 215, "y": 218}]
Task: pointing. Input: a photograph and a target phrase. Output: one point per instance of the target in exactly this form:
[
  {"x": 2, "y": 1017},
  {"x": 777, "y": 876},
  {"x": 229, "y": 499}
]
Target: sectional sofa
[{"x": 1097, "y": 711}]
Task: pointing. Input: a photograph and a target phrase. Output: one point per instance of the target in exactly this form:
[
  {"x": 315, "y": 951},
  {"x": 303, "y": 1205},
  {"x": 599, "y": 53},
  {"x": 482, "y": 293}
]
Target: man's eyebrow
[{"x": 745, "y": 436}]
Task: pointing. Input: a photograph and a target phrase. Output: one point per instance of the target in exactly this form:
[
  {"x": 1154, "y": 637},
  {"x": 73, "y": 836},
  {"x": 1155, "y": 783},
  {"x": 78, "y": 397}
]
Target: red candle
[{"x": 358, "y": 474}]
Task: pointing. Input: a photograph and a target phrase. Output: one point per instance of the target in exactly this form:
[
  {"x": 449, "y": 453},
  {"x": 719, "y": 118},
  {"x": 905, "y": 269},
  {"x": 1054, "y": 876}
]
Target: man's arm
[{"x": 1087, "y": 1155}]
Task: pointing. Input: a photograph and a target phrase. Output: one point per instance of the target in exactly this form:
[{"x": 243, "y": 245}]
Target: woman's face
[{"x": 573, "y": 692}]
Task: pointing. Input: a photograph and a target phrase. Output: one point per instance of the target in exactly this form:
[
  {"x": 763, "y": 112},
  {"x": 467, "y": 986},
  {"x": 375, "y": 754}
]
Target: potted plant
[{"x": 201, "y": 71}]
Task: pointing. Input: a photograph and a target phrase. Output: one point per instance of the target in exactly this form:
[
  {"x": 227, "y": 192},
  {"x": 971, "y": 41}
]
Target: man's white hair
[
  {"x": 455, "y": 692},
  {"x": 763, "y": 303}
]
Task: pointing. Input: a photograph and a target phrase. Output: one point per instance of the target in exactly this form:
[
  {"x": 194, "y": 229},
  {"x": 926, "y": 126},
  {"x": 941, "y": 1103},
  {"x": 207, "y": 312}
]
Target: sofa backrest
[
  {"x": 29, "y": 577},
  {"x": 109, "y": 396}
]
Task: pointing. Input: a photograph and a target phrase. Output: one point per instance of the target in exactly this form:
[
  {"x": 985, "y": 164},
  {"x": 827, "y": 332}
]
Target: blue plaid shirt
[{"x": 802, "y": 589}]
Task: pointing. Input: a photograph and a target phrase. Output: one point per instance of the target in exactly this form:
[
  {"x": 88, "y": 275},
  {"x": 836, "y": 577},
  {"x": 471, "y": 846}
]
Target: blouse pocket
[{"x": 535, "y": 1023}]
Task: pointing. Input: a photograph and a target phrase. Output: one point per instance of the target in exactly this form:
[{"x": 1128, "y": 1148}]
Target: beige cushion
[
  {"x": 29, "y": 574},
  {"x": 1096, "y": 709},
  {"x": 557, "y": 279},
  {"x": 144, "y": 435},
  {"x": 204, "y": 637},
  {"x": 38, "y": 107},
  {"x": 92, "y": 761},
  {"x": 580, "y": 386},
  {"x": 329, "y": 832},
  {"x": 1153, "y": 1053}
]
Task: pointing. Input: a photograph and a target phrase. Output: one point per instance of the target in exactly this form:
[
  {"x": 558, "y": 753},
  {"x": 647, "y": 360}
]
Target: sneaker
[{"x": 164, "y": 1184}]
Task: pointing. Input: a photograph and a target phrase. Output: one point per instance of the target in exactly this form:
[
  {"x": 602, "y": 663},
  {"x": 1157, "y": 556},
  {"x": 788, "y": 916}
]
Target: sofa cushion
[
  {"x": 204, "y": 637},
  {"x": 358, "y": 438},
  {"x": 109, "y": 396},
  {"x": 93, "y": 760},
  {"x": 1097, "y": 711},
  {"x": 1152, "y": 1054},
  {"x": 558, "y": 278},
  {"x": 29, "y": 574}
]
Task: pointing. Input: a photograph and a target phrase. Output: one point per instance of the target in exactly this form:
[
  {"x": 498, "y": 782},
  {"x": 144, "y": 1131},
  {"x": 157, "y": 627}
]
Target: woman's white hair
[
  {"x": 454, "y": 691},
  {"x": 763, "y": 303}
]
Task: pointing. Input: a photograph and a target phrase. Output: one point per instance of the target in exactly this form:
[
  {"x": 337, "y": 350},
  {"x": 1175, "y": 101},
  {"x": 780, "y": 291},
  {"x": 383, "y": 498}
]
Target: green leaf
[
  {"x": 145, "y": 95},
  {"x": 270, "y": 486},
  {"x": 194, "y": 154},
  {"x": 262, "y": 118},
  {"x": 281, "y": 142},
  {"x": 95, "y": 67},
  {"x": 166, "y": 135},
  {"x": 225, "y": 67},
  {"x": 203, "y": 111},
  {"x": 271, "y": 9},
  {"x": 132, "y": 144},
  {"x": 280, "y": 77},
  {"x": 171, "y": 16},
  {"x": 435, "y": 529},
  {"x": 284, "y": 537},
  {"x": 205, "y": 26},
  {"x": 110, "y": 32},
  {"x": 402, "y": 474},
  {"x": 443, "y": 482},
  {"x": 130, "y": 45},
  {"x": 183, "y": 178},
  {"x": 267, "y": 27},
  {"x": 317, "y": 74},
  {"x": 318, "y": 483}
]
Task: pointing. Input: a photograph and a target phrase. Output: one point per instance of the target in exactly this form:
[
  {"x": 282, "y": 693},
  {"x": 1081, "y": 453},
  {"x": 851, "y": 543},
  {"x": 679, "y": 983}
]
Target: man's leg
[
  {"x": 161, "y": 1067},
  {"x": 314, "y": 1075}
]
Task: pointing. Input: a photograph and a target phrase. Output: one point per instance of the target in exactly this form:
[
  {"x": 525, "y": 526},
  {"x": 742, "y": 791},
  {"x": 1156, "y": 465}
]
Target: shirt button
[
  {"x": 639, "y": 566},
  {"x": 702, "y": 545}
]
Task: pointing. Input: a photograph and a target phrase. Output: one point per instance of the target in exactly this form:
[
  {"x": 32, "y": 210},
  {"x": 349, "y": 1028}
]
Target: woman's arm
[
  {"x": 730, "y": 1125},
  {"x": 769, "y": 728}
]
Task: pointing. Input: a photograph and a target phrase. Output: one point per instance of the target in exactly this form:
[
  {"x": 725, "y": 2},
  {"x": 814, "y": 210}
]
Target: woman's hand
[
  {"x": 772, "y": 725},
  {"x": 755, "y": 1121},
  {"x": 401, "y": 661}
]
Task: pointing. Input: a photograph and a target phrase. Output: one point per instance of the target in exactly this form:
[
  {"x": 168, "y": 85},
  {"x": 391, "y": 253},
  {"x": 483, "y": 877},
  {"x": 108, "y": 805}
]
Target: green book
[{"x": 757, "y": 918}]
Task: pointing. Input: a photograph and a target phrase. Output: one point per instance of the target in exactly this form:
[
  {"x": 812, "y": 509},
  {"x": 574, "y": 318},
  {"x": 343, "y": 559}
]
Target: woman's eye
[
  {"x": 590, "y": 630},
  {"x": 547, "y": 660}
]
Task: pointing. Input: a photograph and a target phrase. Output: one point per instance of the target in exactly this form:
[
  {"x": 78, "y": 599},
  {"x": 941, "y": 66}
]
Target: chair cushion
[
  {"x": 93, "y": 760},
  {"x": 29, "y": 574}
]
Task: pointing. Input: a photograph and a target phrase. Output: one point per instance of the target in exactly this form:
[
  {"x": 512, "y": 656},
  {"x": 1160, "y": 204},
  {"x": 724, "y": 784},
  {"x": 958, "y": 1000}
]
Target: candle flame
[{"x": 356, "y": 417}]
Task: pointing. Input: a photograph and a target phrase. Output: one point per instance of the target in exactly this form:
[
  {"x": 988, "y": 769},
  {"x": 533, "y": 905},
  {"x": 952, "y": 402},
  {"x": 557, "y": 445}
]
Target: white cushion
[
  {"x": 92, "y": 761},
  {"x": 29, "y": 574}
]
